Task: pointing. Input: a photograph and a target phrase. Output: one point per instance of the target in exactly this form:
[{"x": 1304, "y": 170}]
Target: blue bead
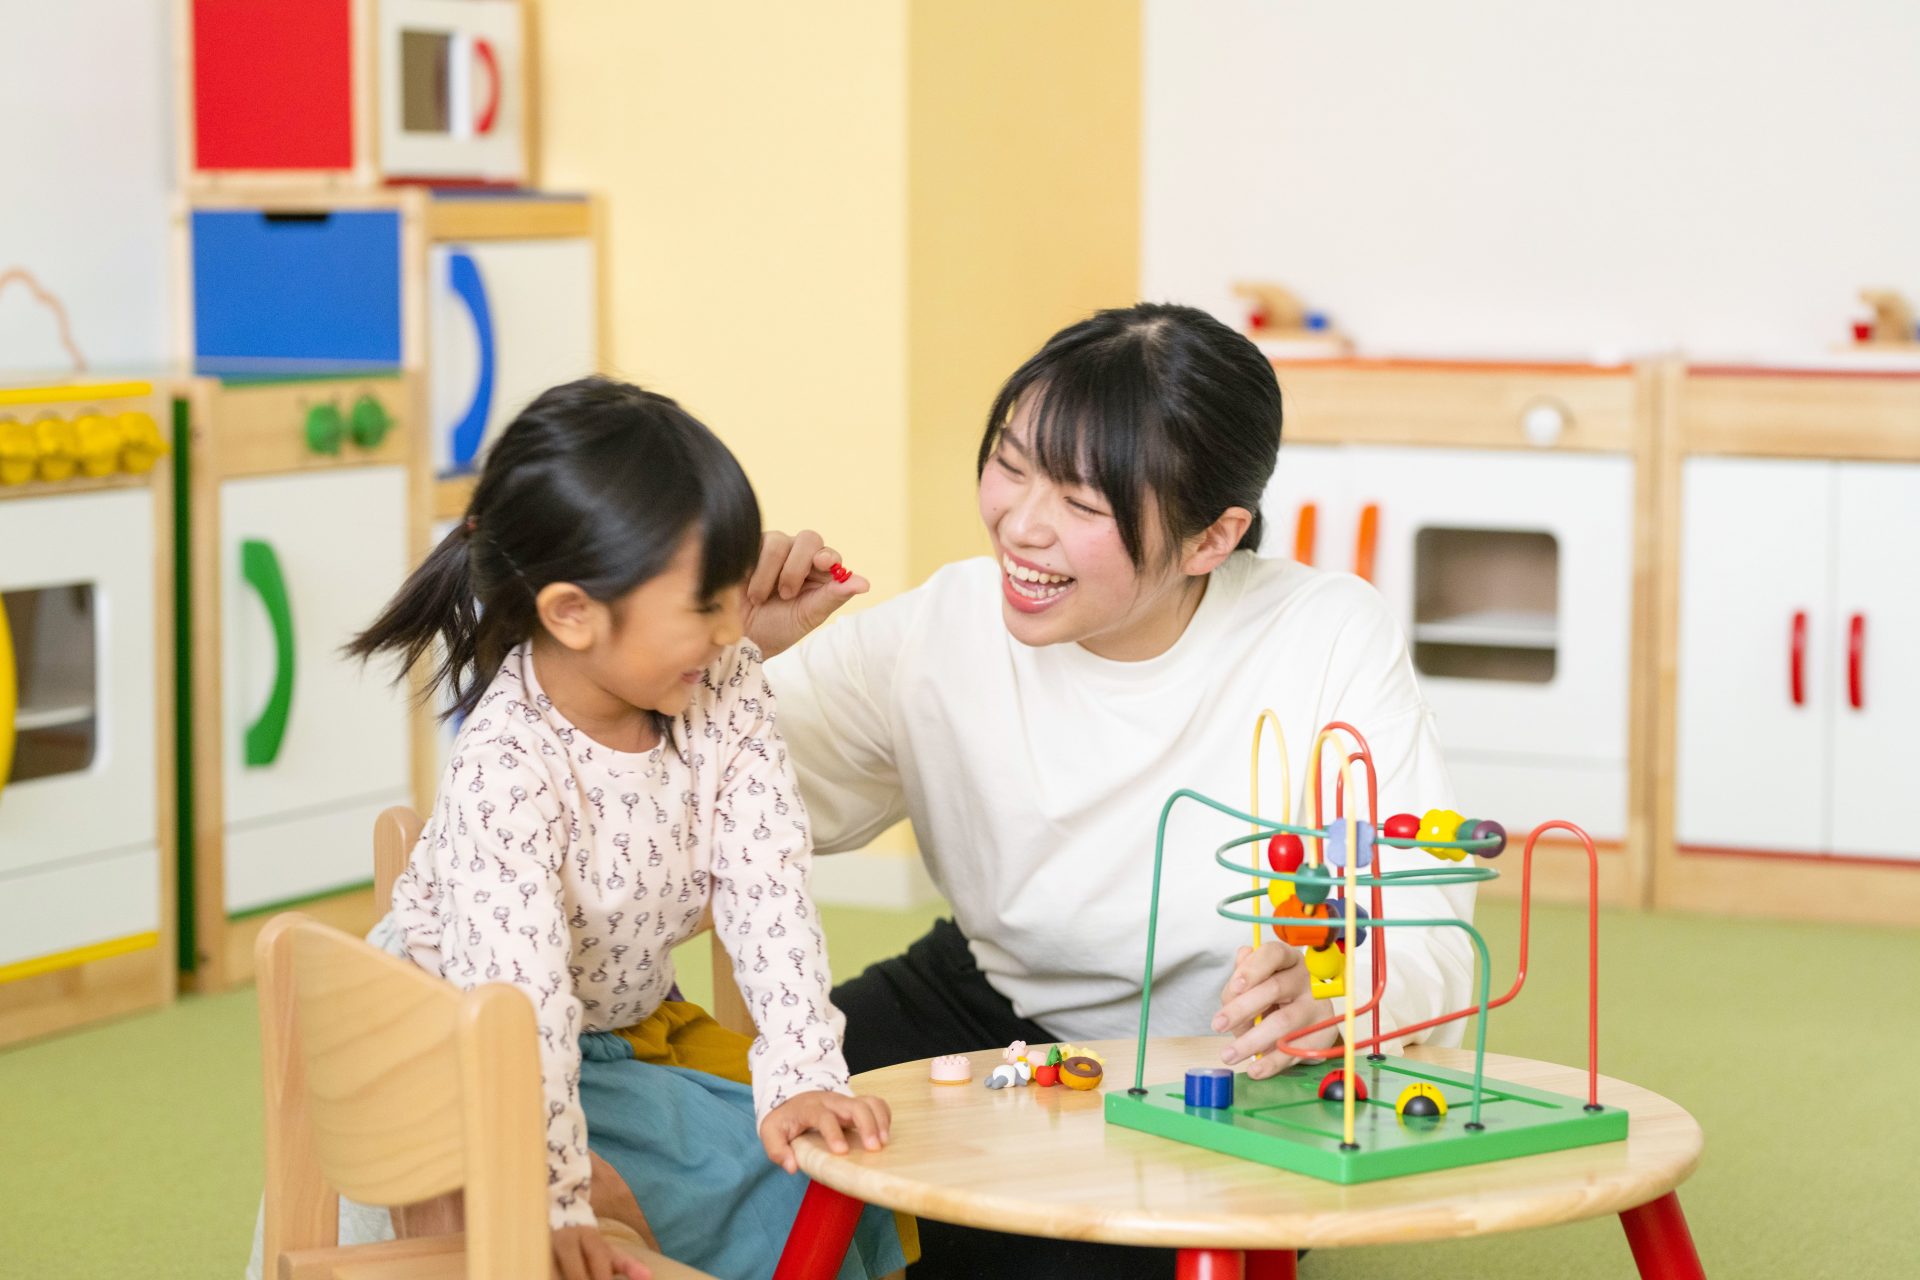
[
  {"x": 1339, "y": 920},
  {"x": 1338, "y": 833},
  {"x": 1209, "y": 1087}
]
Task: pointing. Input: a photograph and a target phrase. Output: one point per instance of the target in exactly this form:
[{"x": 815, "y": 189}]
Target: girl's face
[
  {"x": 1065, "y": 575},
  {"x": 663, "y": 635}
]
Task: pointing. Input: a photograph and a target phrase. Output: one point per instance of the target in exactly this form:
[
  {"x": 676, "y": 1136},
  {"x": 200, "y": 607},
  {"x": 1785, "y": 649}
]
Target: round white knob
[{"x": 1543, "y": 422}]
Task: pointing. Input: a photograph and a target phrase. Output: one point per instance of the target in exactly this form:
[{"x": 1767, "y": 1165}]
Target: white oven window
[
  {"x": 1486, "y": 604},
  {"x": 56, "y": 721}
]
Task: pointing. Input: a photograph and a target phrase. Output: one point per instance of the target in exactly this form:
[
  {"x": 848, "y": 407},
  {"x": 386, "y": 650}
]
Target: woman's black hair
[
  {"x": 596, "y": 483},
  {"x": 1153, "y": 400}
]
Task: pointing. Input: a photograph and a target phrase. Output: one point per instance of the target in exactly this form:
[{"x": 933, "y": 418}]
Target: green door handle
[{"x": 261, "y": 568}]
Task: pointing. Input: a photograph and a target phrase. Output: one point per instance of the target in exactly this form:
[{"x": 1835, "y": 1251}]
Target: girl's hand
[
  {"x": 1274, "y": 985},
  {"x": 792, "y": 590},
  {"x": 582, "y": 1253},
  {"x": 829, "y": 1115}
]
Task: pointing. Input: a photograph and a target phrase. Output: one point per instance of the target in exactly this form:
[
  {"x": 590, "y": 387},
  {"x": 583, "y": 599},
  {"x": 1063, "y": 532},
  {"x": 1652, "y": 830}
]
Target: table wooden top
[{"x": 1045, "y": 1162}]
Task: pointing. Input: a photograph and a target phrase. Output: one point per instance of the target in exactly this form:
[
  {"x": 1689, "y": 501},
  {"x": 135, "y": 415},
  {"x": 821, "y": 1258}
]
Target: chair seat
[{"x": 435, "y": 1258}]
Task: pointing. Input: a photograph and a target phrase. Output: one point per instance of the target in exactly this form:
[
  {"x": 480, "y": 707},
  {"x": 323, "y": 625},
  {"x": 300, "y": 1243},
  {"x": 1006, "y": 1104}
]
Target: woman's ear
[
  {"x": 1207, "y": 549},
  {"x": 569, "y": 614}
]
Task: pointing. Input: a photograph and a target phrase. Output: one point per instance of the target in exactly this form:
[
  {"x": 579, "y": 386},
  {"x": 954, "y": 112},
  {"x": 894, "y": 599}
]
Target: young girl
[
  {"x": 619, "y": 772},
  {"x": 1031, "y": 712}
]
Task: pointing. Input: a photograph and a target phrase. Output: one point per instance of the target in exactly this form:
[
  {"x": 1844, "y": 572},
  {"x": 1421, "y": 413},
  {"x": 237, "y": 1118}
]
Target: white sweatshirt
[
  {"x": 571, "y": 870},
  {"x": 1035, "y": 778}
]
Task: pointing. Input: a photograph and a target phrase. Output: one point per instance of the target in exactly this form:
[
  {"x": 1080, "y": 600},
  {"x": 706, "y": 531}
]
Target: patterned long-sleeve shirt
[{"x": 571, "y": 870}]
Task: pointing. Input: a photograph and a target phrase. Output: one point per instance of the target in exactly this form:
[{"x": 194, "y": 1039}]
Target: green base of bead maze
[{"x": 1282, "y": 1122}]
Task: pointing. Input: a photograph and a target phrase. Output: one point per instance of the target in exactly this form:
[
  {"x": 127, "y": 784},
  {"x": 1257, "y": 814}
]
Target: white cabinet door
[
  {"x": 1757, "y": 650},
  {"x": 509, "y": 318},
  {"x": 335, "y": 551},
  {"x": 79, "y": 855},
  {"x": 1873, "y": 670},
  {"x": 1310, "y": 486},
  {"x": 1513, "y": 576}
]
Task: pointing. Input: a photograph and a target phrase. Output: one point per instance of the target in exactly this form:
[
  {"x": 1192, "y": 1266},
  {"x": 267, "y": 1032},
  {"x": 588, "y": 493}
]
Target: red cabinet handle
[
  {"x": 1856, "y": 658},
  {"x": 1369, "y": 535},
  {"x": 1303, "y": 533},
  {"x": 1797, "y": 669},
  {"x": 483, "y": 53}
]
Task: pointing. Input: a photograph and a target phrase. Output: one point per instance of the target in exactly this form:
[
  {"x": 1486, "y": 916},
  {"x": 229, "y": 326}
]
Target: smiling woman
[{"x": 1030, "y": 712}]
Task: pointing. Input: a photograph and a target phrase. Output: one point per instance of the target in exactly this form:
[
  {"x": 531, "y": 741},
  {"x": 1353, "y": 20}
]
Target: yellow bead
[
  {"x": 1326, "y": 964},
  {"x": 1442, "y": 824}
]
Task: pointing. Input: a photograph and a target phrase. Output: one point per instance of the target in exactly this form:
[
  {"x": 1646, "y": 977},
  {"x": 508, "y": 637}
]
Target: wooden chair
[
  {"x": 397, "y": 830},
  {"x": 389, "y": 1086}
]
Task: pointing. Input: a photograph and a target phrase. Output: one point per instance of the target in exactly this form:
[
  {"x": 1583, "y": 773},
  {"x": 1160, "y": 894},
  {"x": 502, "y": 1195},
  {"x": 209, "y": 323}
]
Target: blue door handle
[{"x": 464, "y": 276}]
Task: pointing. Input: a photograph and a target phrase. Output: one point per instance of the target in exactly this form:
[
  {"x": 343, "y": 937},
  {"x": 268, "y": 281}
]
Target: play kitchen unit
[
  {"x": 1495, "y": 507},
  {"x": 86, "y": 703}
]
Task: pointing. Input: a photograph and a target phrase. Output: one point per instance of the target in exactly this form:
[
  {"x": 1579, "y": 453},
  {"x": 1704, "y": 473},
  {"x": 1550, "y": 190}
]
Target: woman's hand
[
  {"x": 792, "y": 590},
  {"x": 582, "y": 1253},
  {"x": 828, "y": 1114},
  {"x": 1271, "y": 983}
]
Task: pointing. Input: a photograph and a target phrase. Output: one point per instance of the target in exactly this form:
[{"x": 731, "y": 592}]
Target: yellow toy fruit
[
  {"x": 141, "y": 445},
  {"x": 97, "y": 441},
  {"x": 18, "y": 452},
  {"x": 58, "y": 445}
]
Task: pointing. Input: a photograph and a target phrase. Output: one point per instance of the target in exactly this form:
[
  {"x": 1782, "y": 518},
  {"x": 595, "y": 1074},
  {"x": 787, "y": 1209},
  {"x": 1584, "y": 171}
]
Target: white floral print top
[{"x": 571, "y": 870}]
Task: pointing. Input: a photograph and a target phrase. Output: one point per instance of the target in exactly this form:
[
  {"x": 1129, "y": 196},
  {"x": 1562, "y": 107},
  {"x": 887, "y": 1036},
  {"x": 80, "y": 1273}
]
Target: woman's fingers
[
  {"x": 793, "y": 574},
  {"x": 774, "y": 547},
  {"x": 1239, "y": 1000}
]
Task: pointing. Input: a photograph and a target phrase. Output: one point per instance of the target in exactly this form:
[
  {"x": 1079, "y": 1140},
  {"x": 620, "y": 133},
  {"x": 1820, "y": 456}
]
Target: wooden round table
[{"x": 1044, "y": 1162}]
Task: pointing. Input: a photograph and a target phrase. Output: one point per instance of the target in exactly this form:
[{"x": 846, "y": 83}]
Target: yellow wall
[
  {"x": 833, "y": 230},
  {"x": 1023, "y": 215},
  {"x": 755, "y": 180}
]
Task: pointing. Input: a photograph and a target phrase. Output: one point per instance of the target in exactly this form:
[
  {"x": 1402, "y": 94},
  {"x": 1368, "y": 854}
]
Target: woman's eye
[
  {"x": 1008, "y": 467},
  {"x": 1083, "y": 508}
]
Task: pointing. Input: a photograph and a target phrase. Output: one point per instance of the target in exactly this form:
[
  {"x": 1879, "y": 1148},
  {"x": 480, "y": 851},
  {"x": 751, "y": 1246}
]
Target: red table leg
[
  {"x": 1662, "y": 1246},
  {"x": 1271, "y": 1264},
  {"x": 1210, "y": 1264},
  {"x": 821, "y": 1233}
]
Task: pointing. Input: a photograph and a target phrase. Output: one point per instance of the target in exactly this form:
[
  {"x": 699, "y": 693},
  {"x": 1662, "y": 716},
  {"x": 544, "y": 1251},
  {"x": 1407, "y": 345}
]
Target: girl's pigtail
[{"x": 436, "y": 603}]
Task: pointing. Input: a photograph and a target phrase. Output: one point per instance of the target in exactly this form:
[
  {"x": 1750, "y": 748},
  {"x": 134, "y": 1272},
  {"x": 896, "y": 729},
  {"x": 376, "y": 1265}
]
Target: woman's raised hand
[{"x": 792, "y": 590}]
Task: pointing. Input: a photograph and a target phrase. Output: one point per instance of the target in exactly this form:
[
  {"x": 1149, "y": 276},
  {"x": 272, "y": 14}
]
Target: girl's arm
[
  {"x": 761, "y": 907},
  {"x": 499, "y": 908}
]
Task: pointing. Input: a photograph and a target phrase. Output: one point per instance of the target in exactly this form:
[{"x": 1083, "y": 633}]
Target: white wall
[
  {"x": 1538, "y": 177},
  {"x": 86, "y": 164}
]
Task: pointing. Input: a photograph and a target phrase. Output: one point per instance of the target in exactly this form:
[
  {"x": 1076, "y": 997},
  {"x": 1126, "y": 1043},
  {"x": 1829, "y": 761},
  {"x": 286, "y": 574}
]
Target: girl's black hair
[
  {"x": 596, "y": 483},
  {"x": 1150, "y": 400}
]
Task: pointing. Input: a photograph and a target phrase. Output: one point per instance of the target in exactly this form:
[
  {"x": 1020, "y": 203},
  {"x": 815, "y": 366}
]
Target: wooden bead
[
  {"x": 1302, "y": 935},
  {"x": 1337, "y": 912},
  {"x": 1315, "y": 885},
  {"x": 1326, "y": 963},
  {"x": 1402, "y": 826},
  {"x": 1358, "y": 833},
  {"x": 1488, "y": 829},
  {"x": 1285, "y": 852}
]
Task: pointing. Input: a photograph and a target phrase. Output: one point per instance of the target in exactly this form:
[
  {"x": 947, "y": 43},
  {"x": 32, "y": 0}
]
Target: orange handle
[
  {"x": 1369, "y": 537},
  {"x": 1303, "y": 533}
]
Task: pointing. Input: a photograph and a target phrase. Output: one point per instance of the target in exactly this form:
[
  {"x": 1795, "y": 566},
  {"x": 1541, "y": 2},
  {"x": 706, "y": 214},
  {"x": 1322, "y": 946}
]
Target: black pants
[{"x": 935, "y": 1000}]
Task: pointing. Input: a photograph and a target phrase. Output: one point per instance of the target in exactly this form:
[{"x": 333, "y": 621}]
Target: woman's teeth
[{"x": 1032, "y": 583}]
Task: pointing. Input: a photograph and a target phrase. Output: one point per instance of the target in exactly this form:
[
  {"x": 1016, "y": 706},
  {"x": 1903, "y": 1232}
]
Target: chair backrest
[
  {"x": 390, "y": 1086},
  {"x": 397, "y": 830}
]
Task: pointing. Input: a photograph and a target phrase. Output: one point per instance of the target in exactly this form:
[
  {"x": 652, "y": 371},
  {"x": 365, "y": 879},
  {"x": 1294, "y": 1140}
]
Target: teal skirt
[{"x": 689, "y": 1149}]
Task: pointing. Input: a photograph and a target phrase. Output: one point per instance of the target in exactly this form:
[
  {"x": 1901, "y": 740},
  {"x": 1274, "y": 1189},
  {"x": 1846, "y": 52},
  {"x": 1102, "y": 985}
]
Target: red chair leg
[
  {"x": 821, "y": 1233},
  {"x": 1210, "y": 1264},
  {"x": 1272, "y": 1264},
  {"x": 1662, "y": 1246}
]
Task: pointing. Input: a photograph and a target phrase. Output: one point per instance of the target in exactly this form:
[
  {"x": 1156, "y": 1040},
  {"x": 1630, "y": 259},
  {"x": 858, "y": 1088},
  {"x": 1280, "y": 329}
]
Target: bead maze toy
[{"x": 1384, "y": 1116}]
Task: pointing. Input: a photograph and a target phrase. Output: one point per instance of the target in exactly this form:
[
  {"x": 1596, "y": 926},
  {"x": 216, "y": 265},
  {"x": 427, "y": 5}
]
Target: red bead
[
  {"x": 1285, "y": 852},
  {"x": 1402, "y": 826},
  {"x": 840, "y": 572},
  {"x": 1863, "y": 331}
]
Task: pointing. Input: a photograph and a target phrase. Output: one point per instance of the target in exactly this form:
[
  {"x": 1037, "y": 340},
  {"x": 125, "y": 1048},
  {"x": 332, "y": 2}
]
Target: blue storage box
[{"x": 320, "y": 288}]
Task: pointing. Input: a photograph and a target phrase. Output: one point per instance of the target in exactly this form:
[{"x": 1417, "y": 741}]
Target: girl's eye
[
  {"x": 1008, "y": 467},
  {"x": 1083, "y": 508}
]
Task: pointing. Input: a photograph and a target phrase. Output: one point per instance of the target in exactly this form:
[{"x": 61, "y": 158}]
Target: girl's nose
[{"x": 1027, "y": 522}]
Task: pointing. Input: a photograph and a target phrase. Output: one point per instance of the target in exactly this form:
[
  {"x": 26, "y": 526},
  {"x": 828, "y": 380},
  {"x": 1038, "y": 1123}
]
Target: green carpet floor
[{"x": 134, "y": 1148}]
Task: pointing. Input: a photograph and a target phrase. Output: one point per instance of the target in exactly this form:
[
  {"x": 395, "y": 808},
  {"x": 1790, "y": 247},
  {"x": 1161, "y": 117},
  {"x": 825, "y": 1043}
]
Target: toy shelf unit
[
  {"x": 86, "y": 700},
  {"x": 496, "y": 295},
  {"x": 298, "y": 522},
  {"x": 1795, "y": 588},
  {"x": 354, "y": 92},
  {"x": 1496, "y": 509},
  {"x": 1375, "y": 1115}
]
